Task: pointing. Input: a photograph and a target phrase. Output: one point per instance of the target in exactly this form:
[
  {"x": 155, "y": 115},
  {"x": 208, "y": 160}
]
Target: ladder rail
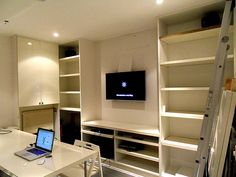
[{"x": 213, "y": 100}]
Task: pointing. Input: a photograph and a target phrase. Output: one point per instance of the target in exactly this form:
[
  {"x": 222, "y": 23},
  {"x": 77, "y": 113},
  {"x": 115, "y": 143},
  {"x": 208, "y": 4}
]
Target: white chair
[{"x": 93, "y": 165}]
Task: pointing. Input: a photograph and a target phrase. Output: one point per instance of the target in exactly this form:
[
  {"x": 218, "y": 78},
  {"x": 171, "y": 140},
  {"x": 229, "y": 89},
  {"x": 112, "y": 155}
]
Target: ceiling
[{"x": 90, "y": 19}]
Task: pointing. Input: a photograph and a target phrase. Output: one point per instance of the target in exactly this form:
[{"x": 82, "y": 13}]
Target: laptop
[{"x": 43, "y": 146}]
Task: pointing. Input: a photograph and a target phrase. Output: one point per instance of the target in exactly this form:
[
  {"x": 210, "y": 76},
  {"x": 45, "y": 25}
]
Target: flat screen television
[{"x": 126, "y": 86}]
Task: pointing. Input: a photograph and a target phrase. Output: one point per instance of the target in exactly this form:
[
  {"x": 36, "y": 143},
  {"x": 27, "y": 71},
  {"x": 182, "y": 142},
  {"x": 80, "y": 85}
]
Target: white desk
[{"x": 63, "y": 156}]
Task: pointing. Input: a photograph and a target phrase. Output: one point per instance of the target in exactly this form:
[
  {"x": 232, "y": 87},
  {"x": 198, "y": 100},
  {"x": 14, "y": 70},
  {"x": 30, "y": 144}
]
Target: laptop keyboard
[{"x": 36, "y": 151}]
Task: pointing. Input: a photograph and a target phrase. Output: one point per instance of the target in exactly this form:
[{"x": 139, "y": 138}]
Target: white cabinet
[
  {"x": 185, "y": 64},
  {"x": 38, "y": 70},
  {"x": 131, "y": 146}
]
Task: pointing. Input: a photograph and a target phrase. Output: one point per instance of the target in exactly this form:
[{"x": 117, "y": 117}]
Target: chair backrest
[
  {"x": 93, "y": 147},
  {"x": 87, "y": 145}
]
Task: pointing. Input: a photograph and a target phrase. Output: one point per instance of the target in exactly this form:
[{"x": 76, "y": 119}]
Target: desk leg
[{"x": 85, "y": 169}]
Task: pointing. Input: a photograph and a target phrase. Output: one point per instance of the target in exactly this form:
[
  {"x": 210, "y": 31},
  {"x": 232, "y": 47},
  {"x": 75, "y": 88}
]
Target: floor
[{"x": 109, "y": 172}]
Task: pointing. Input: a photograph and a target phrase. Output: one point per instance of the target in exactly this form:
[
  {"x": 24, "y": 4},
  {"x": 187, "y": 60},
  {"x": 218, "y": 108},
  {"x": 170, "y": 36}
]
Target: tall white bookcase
[
  {"x": 78, "y": 87},
  {"x": 70, "y": 79},
  {"x": 185, "y": 66}
]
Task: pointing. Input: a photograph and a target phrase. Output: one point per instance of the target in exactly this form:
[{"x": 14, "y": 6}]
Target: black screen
[{"x": 125, "y": 85}]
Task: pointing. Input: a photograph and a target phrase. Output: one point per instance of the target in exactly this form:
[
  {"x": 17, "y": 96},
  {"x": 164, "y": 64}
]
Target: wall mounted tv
[{"x": 126, "y": 86}]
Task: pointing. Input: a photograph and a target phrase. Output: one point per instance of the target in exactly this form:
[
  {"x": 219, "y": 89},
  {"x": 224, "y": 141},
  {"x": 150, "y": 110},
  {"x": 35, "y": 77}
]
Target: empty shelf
[
  {"x": 142, "y": 165},
  {"x": 69, "y": 75},
  {"x": 144, "y": 154},
  {"x": 145, "y": 141},
  {"x": 183, "y": 115},
  {"x": 185, "y": 89},
  {"x": 192, "y": 35},
  {"x": 70, "y": 92},
  {"x": 178, "y": 172},
  {"x": 70, "y": 109},
  {"x": 182, "y": 143},
  {"x": 194, "y": 61},
  {"x": 70, "y": 59}
]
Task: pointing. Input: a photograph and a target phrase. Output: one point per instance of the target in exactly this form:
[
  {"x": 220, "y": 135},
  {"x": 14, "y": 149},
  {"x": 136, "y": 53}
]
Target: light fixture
[
  {"x": 29, "y": 43},
  {"x": 55, "y": 34},
  {"x": 159, "y": 1},
  {"x": 6, "y": 22}
]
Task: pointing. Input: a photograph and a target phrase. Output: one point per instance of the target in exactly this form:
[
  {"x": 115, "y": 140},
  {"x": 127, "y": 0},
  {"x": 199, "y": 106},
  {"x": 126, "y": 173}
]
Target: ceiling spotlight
[
  {"x": 56, "y": 34},
  {"x": 6, "y": 22},
  {"x": 29, "y": 43},
  {"x": 159, "y": 1}
]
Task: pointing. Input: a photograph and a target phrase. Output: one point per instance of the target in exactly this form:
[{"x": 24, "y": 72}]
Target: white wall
[
  {"x": 8, "y": 97},
  {"x": 131, "y": 52}
]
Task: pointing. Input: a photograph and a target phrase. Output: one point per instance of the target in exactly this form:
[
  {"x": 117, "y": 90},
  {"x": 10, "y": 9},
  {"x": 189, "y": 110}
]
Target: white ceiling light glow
[
  {"x": 55, "y": 34},
  {"x": 29, "y": 43},
  {"x": 159, "y": 1}
]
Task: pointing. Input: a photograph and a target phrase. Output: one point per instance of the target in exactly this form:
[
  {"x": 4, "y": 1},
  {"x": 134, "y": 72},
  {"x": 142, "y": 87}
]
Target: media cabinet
[{"x": 143, "y": 140}]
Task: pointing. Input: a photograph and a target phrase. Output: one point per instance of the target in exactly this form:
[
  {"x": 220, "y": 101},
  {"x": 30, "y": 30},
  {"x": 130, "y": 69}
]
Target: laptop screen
[{"x": 45, "y": 139}]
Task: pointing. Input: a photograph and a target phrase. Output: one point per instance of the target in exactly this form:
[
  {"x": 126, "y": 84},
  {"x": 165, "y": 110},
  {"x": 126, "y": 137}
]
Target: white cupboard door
[
  {"x": 28, "y": 72},
  {"x": 38, "y": 72},
  {"x": 50, "y": 74}
]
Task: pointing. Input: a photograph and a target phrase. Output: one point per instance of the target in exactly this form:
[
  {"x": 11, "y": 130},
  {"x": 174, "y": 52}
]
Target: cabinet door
[
  {"x": 37, "y": 72},
  {"x": 49, "y": 73},
  {"x": 28, "y": 72}
]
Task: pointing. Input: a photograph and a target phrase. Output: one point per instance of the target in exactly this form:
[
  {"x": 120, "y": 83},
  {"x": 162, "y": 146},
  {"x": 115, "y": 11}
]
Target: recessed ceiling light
[
  {"x": 29, "y": 43},
  {"x": 6, "y": 22},
  {"x": 55, "y": 34},
  {"x": 159, "y": 1}
]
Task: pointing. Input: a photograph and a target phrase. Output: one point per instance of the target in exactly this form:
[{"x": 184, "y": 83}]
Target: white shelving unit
[
  {"x": 185, "y": 69},
  {"x": 70, "y": 91},
  {"x": 134, "y": 146},
  {"x": 70, "y": 83}
]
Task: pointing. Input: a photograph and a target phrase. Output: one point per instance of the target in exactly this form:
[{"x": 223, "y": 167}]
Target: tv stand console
[{"x": 132, "y": 146}]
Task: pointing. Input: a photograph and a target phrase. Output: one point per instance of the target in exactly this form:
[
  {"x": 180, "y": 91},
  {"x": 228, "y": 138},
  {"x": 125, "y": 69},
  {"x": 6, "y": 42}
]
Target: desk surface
[{"x": 63, "y": 156}]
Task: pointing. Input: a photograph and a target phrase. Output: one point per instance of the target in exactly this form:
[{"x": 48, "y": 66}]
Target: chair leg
[
  {"x": 100, "y": 165},
  {"x": 85, "y": 169}
]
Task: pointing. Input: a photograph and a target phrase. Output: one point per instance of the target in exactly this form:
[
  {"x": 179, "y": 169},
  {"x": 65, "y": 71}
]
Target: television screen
[{"x": 125, "y": 85}]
